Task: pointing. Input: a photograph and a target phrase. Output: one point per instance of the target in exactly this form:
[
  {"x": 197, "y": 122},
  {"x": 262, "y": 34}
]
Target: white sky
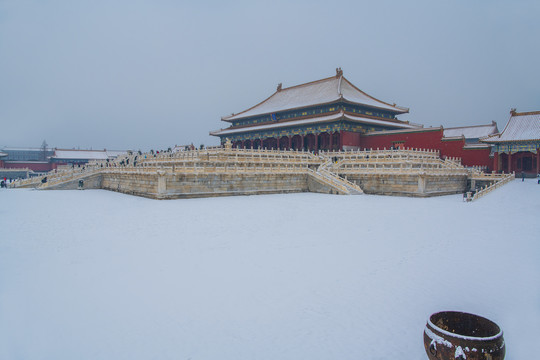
[{"x": 152, "y": 74}]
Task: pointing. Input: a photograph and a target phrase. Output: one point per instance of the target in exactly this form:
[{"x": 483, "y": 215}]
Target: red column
[
  {"x": 302, "y": 142},
  {"x": 330, "y": 144},
  {"x": 496, "y": 162},
  {"x": 290, "y": 142},
  {"x": 316, "y": 146},
  {"x": 509, "y": 162},
  {"x": 538, "y": 161},
  {"x": 340, "y": 139}
]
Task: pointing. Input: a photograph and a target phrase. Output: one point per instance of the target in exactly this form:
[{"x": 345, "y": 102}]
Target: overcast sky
[{"x": 151, "y": 74}]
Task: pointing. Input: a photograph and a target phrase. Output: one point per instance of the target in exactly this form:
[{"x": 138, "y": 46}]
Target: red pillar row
[{"x": 331, "y": 143}]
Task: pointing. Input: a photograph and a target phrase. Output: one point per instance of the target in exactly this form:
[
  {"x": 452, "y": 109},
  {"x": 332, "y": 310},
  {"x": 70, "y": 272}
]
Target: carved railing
[
  {"x": 504, "y": 179},
  {"x": 233, "y": 160}
]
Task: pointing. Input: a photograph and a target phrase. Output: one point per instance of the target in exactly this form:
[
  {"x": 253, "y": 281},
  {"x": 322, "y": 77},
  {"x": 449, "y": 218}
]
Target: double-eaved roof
[
  {"x": 320, "y": 119},
  {"x": 325, "y": 91},
  {"x": 523, "y": 126}
]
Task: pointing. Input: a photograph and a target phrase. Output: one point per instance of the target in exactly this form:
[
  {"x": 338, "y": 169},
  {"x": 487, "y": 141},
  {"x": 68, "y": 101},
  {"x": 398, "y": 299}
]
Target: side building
[
  {"x": 517, "y": 147},
  {"x": 327, "y": 114},
  {"x": 69, "y": 157}
]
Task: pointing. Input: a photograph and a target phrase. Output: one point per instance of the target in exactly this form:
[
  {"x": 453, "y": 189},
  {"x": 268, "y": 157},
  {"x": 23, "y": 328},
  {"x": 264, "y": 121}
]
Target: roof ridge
[
  {"x": 526, "y": 113},
  {"x": 374, "y": 98},
  {"x": 281, "y": 89},
  {"x": 461, "y": 127},
  {"x": 309, "y": 83}
]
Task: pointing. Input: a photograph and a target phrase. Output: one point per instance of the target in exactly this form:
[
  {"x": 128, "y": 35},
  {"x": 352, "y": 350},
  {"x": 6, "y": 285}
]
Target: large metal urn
[{"x": 451, "y": 335}]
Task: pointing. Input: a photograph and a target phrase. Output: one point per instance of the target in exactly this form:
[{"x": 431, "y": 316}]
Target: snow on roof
[
  {"x": 521, "y": 127},
  {"x": 476, "y": 146},
  {"x": 418, "y": 128},
  {"x": 320, "y": 119},
  {"x": 472, "y": 132},
  {"x": 87, "y": 154},
  {"x": 314, "y": 93},
  {"x": 115, "y": 153},
  {"x": 3, "y": 154},
  {"x": 80, "y": 154}
]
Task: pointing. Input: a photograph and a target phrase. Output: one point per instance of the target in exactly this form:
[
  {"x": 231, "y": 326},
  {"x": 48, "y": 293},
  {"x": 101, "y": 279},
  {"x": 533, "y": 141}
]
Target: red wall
[
  {"x": 430, "y": 139},
  {"x": 452, "y": 148},
  {"x": 477, "y": 157},
  {"x": 350, "y": 138},
  {"x": 36, "y": 166}
]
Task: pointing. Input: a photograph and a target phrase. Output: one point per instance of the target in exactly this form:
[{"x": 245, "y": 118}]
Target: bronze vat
[{"x": 451, "y": 335}]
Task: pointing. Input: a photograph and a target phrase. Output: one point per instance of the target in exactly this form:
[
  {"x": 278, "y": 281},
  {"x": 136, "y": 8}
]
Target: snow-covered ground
[{"x": 101, "y": 275}]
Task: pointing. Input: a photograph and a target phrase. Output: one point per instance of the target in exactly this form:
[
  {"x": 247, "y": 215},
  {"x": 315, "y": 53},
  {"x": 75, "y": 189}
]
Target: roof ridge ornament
[
  {"x": 513, "y": 111},
  {"x": 339, "y": 72},
  {"x": 279, "y": 87}
]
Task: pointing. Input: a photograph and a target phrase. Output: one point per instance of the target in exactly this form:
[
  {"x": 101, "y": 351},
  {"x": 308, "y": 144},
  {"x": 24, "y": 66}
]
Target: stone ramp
[{"x": 91, "y": 180}]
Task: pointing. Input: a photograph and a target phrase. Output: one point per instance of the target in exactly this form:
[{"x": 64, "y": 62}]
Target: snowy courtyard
[{"x": 101, "y": 275}]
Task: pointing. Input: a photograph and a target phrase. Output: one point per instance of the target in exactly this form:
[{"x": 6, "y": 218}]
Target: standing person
[{"x": 522, "y": 176}]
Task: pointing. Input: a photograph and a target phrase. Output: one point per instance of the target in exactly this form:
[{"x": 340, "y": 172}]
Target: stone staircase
[{"x": 341, "y": 185}]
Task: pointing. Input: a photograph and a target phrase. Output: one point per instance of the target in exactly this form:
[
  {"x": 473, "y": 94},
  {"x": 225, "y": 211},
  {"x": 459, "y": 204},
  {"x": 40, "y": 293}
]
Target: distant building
[
  {"x": 27, "y": 162},
  {"x": 3, "y": 155},
  {"x": 327, "y": 114},
  {"x": 27, "y": 154},
  {"x": 81, "y": 157},
  {"x": 517, "y": 147},
  {"x": 34, "y": 159},
  {"x": 472, "y": 134}
]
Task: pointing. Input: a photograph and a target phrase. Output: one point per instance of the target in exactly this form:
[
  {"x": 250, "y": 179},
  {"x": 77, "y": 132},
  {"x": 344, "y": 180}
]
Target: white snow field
[{"x": 101, "y": 275}]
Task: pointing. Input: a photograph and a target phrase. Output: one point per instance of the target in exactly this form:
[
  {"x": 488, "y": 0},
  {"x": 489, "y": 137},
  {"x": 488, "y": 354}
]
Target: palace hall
[{"x": 327, "y": 114}]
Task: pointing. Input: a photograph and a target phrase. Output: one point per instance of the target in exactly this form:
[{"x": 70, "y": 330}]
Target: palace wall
[
  {"x": 38, "y": 166},
  {"x": 350, "y": 139},
  {"x": 477, "y": 157},
  {"x": 430, "y": 139},
  {"x": 426, "y": 139}
]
